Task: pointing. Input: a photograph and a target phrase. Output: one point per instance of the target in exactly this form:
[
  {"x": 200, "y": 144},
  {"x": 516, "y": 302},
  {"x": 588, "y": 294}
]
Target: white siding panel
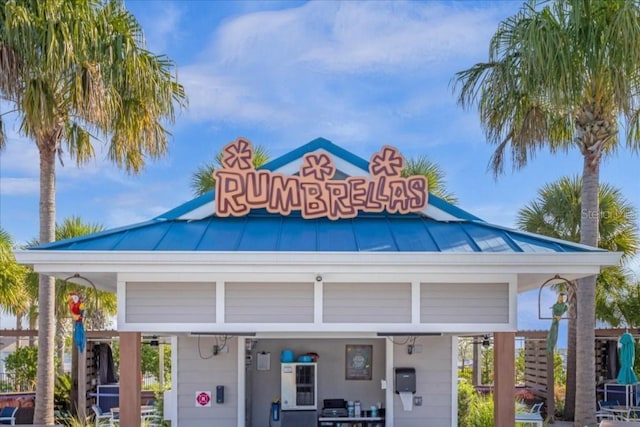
[
  {"x": 367, "y": 303},
  {"x": 433, "y": 383},
  {"x": 268, "y": 302},
  {"x": 464, "y": 303},
  {"x": 199, "y": 370},
  {"x": 150, "y": 302}
]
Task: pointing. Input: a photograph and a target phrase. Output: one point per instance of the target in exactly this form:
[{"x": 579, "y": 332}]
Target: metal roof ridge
[
  {"x": 540, "y": 237},
  {"x": 314, "y": 145},
  {"x": 93, "y": 236}
]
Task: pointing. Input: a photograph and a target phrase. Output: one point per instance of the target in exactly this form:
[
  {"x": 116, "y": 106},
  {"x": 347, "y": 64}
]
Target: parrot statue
[{"x": 76, "y": 306}]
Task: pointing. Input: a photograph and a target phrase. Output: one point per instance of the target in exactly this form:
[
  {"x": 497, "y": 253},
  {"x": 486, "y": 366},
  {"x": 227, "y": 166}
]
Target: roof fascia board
[
  {"x": 451, "y": 209},
  {"x": 333, "y": 261},
  {"x": 187, "y": 207},
  {"x": 342, "y": 328}
]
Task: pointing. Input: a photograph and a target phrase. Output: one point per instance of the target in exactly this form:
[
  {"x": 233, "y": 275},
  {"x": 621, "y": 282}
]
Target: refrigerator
[{"x": 298, "y": 394}]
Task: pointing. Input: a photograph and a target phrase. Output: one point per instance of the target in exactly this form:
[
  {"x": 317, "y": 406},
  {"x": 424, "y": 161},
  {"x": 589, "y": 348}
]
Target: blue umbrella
[{"x": 627, "y": 354}]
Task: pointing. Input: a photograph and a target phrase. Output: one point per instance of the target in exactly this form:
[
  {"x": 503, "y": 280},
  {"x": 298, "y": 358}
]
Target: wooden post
[
  {"x": 161, "y": 367},
  {"x": 551, "y": 397},
  {"x": 504, "y": 370},
  {"x": 74, "y": 379},
  {"x": 477, "y": 364},
  {"x": 130, "y": 379},
  {"x": 82, "y": 384}
]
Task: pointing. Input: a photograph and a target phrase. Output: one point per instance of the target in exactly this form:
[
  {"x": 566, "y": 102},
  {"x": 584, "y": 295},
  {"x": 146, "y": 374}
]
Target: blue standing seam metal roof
[{"x": 262, "y": 231}]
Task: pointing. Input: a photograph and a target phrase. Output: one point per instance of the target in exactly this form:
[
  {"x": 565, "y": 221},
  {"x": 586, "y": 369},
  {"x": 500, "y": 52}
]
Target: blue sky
[{"x": 281, "y": 73}]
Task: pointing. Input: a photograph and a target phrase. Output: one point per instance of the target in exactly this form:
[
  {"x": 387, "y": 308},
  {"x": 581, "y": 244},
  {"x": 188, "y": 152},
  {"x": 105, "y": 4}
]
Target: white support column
[
  {"x": 318, "y": 301},
  {"x": 388, "y": 405},
  {"x": 220, "y": 303},
  {"x": 454, "y": 381},
  {"x": 241, "y": 382},
  {"x": 415, "y": 302}
]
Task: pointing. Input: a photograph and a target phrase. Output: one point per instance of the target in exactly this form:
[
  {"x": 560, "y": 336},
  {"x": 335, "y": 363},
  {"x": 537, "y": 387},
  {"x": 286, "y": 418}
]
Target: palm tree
[
  {"x": 433, "y": 173},
  {"x": 12, "y": 277},
  {"x": 556, "y": 212},
  {"x": 75, "y": 70},
  {"x": 561, "y": 76},
  {"x": 202, "y": 180}
]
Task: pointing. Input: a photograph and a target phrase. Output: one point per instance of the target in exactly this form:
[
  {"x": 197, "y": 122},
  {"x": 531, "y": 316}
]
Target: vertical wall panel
[
  {"x": 268, "y": 302},
  {"x": 464, "y": 303},
  {"x": 367, "y": 303},
  {"x": 180, "y": 302}
]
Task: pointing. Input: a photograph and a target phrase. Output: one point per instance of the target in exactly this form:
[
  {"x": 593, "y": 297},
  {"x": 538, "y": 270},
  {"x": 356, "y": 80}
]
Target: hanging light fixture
[{"x": 486, "y": 341}]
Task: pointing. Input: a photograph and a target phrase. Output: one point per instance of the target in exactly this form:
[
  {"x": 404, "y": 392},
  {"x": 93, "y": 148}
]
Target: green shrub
[
  {"x": 481, "y": 412},
  {"x": 21, "y": 368},
  {"x": 62, "y": 394},
  {"x": 466, "y": 395}
]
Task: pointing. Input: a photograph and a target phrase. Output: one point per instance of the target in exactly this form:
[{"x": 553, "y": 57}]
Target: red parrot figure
[{"x": 76, "y": 306}]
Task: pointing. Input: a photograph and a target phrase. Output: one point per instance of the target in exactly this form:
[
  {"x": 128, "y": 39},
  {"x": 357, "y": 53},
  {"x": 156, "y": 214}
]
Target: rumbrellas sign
[{"x": 240, "y": 187}]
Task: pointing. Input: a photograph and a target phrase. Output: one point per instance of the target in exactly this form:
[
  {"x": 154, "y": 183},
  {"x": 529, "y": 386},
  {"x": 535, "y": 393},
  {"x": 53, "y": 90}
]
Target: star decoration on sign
[
  {"x": 318, "y": 166},
  {"x": 238, "y": 154},
  {"x": 387, "y": 162}
]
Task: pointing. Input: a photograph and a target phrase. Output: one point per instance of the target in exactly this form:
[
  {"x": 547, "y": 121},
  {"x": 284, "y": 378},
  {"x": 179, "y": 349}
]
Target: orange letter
[
  {"x": 358, "y": 185},
  {"x": 339, "y": 200},
  {"x": 313, "y": 205},
  {"x": 285, "y": 194},
  {"x": 258, "y": 188},
  {"x": 417, "y": 187},
  {"x": 399, "y": 200},
  {"x": 230, "y": 192}
]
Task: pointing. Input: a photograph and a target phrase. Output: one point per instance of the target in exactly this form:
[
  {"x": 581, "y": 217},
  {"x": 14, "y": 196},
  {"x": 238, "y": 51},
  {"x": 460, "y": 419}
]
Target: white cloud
[
  {"x": 19, "y": 186},
  {"x": 19, "y": 156},
  {"x": 162, "y": 28},
  {"x": 347, "y": 68},
  {"x": 356, "y": 37}
]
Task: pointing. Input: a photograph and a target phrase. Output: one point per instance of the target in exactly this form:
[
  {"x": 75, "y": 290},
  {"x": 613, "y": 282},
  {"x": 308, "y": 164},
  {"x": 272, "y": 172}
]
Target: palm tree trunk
[
  {"x": 18, "y": 328},
  {"x": 585, "y": 337},
  {"x": 570, "y": 390},
  {"x": 43, "y": 413},
  {"x": 33, "y": 323},
  {"x": 60, "y": 335}
]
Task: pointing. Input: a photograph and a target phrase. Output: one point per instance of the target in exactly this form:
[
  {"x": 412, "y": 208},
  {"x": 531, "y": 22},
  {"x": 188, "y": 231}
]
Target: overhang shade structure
[{"x": 319, "y": 244}]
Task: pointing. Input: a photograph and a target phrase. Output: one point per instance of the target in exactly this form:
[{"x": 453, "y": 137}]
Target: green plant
[
  {"x": 21, "y": 368},
  {"x": 466, "y": 395},
  {"x": 560, "y": 391},
  {"x": 481, "y": 411},
  {"x": 62, "y": 394}
]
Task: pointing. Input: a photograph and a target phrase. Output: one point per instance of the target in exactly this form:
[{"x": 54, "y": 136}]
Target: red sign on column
[{"x": 203, "y": 399}]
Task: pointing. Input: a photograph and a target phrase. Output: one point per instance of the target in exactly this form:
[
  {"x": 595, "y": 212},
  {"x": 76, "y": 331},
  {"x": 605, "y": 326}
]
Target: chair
[
  {"x": 603, "y": 403},
  {"x": 115, "y": 417},
  {"x": 101, "y": 418},
  {"x": 152, "y": 420},
  {"x": 535, "y": 409},
  {"x": 602, "y": 413},
  {"x": 8, "y": 415}
]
